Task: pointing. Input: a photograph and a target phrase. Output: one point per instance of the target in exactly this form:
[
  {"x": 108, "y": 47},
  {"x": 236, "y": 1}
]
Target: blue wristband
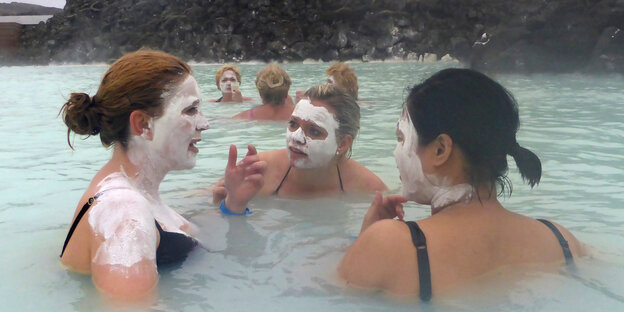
[{"x": 226, "y": 211}]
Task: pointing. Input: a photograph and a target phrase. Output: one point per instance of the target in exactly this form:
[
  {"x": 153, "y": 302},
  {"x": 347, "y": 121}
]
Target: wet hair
[
  {"x": 345, "y": 77},
  {"x": 347, "y": 111},
  {"x": 225, "y": 68},
  {"x": 136, "y": 81},
  {"x": 481, "y": 117},
  {"x": 273, "y": 84}
]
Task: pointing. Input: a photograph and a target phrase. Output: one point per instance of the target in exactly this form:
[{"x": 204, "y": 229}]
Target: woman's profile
[
  {"x": 454, "y": 135},
  {"x": 147, "y": 110}
]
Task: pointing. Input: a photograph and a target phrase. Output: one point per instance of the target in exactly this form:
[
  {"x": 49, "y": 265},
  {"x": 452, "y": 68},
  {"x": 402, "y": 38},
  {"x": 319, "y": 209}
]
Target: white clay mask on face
[
  {"x": 319, "y": 152},
  {"x": 174, "y": 134},
  {"x": 228, "y": 82},
  {"x": 417, "y": 186}
]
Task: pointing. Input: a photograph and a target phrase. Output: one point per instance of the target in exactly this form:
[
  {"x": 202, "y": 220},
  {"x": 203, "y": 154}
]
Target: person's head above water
[
  {"x": 322, "y": 126},
  {"x": 273, "y": 84},
  {"x": 228, "y": 77},
  {"x": 343, "y": 76},
  {"x": 148, "y": 95},
  {"x": 468, "y": 111}
]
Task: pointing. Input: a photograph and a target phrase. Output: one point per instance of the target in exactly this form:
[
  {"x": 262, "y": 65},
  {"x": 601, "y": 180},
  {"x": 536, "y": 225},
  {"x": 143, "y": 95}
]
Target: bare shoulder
[
  {"x": 242, "y": 115},
  {"x": 375, "y": 258},
  {"x": 360, "y": 178},
  {"x": 575, "y": 246}
]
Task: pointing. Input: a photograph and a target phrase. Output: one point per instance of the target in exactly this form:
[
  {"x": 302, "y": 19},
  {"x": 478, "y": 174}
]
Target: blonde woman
[
  {"x": 273, "y": 84},
  {"x": 228, "y": 79}
]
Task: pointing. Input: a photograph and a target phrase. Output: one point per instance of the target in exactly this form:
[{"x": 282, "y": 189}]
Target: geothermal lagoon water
[{"x": 282, "y": 258}]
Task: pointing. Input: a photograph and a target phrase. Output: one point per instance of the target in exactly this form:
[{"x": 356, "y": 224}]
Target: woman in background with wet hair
[
  {"x": 343, "y": 76},
  {"x": 317, "y": 159},
  {"x": 454, "y": 135},
  {"x": 228, "y": 79},
  {"x": 146, "y": 109},
  {"x": 273, "y": 84}
]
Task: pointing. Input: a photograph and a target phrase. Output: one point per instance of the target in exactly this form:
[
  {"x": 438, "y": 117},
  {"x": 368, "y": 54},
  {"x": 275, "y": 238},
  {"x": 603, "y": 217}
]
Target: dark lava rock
[{"x": 503, "y": 36}]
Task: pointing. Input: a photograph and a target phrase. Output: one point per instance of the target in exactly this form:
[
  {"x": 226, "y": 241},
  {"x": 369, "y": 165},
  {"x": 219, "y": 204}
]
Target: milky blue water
[{"x": 282, "y": 258}]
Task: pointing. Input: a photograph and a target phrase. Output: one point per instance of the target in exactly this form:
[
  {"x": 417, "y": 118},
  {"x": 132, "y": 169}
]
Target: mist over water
[{"x": 283, "y": 256}]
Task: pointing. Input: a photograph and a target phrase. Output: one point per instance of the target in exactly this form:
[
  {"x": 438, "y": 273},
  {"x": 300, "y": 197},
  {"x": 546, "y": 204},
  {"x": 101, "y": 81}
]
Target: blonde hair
[
  {"x": 273, "y": 84},
  {"x": 346, "y": 108},
  {"x": 225, "y": 68},
  {"x": 345, "y": 77}
]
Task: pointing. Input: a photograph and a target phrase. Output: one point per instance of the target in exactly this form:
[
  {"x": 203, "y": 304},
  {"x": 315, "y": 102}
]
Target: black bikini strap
[
  {"x": 282, "y": 182},
  {"x": 339, "y": 178},
  {"x": 424, "y": 272},
  {"x": 564, "y": 243},
  {"x": 82, "y": 212}
]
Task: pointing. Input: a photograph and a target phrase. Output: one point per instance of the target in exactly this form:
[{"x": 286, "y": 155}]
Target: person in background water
[
  {"x": 146, "y": 109},
  {"x": 273, "y": 84},
  {"x": 316, "y": 161},
  {"x": 341, "y": 75},
  {"x": 228, "y": 80},
  {"x": 454, "y": 135}
]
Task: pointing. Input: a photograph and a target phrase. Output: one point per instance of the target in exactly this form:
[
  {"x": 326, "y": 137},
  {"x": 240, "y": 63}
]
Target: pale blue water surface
[{"x": 282, "y": 258}]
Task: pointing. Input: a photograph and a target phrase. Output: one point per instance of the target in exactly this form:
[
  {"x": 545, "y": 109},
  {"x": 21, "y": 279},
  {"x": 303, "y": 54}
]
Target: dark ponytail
[
  {"x": 528, "y": 163},
  {"x": 482, "y": 119}
]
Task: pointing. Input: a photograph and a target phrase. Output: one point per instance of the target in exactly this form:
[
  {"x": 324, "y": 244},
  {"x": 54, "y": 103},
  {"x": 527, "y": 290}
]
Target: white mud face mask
[
  {"x": 169, "y": 142},
  {"x": 228, "y": 82},
  {"x": 319, "y": 152},
  {"x": 426, "y": 189}
]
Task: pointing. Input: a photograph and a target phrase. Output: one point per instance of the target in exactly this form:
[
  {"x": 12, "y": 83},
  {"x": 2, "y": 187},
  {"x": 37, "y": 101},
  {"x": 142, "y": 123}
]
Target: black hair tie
[
  {"x": 515, "y": 149},
  {"x": 95, "y": 131}
]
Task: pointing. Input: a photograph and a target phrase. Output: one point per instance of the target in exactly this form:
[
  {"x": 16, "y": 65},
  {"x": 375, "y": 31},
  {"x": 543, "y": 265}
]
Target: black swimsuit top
[
  {"x": 424, "y": 272},
  {"x": 286, "y": 175},
  {"x": 173, "y": 247}
]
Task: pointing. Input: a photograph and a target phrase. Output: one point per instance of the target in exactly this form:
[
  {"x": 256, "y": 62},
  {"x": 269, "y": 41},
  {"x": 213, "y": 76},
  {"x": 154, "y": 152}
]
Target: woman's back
[{"x": 463, "y": 242}]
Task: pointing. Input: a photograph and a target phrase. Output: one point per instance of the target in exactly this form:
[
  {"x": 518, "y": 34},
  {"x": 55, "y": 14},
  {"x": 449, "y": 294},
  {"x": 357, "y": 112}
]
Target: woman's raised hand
[
  {"x": 388, "y": 207},
  {"x": 243, "y": 179}
]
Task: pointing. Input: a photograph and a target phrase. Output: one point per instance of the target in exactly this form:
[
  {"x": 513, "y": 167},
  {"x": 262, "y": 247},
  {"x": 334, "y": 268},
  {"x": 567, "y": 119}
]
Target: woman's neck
[
  {"x": 317, "y": 178},
  {"x": 454, "y": 199},
  {"x": 145, "y": 176}
]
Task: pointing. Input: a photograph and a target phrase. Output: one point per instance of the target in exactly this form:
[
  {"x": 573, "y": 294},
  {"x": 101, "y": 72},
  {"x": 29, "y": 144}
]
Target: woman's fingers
[
  {"x": 232, "y": 157},
  {"x": 251, "y": 150}
]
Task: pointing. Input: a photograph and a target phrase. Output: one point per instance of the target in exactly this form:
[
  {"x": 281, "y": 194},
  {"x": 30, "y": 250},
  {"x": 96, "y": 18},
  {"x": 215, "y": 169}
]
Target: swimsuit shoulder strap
[
  {"x": 282, "y": 182},
  {"x": 340, "y": 178},
  {"x": 82, "y": 212},
  {"x": 251, "y": 114},
  {"x": 219, "y": 99},
  {"x": 564, "y": 243},
  {"x": 424, "y": 271}
]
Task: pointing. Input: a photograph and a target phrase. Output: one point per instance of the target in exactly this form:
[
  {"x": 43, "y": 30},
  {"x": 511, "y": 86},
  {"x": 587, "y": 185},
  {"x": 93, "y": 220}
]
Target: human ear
[
  {"x": 443, "y": 146},
  {"x": 140, "y": 124},
  {"x": 345, "y": 144}
]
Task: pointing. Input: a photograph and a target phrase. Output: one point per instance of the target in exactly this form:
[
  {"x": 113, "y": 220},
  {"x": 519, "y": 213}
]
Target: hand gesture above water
[
  {"x": 388, "y": 207},
  {"x": 243, "y": 179}
]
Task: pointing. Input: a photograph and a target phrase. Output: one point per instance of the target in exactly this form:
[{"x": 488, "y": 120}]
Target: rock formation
[{"x": 504, "y": 35}]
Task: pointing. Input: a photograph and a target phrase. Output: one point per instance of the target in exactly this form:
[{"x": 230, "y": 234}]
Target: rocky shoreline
[{"x": 502, "y": 36}]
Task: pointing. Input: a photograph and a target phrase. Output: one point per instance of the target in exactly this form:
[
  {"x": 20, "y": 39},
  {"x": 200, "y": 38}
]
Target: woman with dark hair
[
  {"x": 454, "y": 135},
  {"x": 146, "y": 109}
]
